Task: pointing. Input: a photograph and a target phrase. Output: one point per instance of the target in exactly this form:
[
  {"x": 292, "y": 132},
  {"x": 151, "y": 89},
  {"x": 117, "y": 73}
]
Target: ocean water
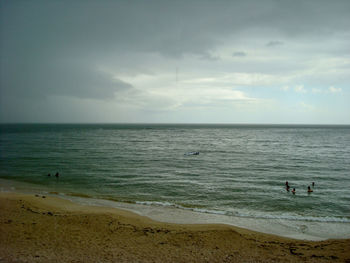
[{"x": 238, "y": 177}]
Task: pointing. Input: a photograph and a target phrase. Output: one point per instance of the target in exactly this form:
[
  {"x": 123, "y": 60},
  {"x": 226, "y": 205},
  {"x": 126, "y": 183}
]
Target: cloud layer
[{"x": 159, "y": 60}]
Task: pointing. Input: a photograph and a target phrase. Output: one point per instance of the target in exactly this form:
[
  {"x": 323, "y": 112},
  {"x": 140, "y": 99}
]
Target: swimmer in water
[
  {"x": 287, "y": 186},
  {"x": 309, "y": 190},
  {"x": 313, "y": 184},
  {"x": 293, "y": 191}
]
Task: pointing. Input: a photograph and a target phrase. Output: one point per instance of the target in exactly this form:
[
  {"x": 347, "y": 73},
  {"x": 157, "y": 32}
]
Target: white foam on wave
[
  {"x": 250, "y": 214},
  {"x": 284, "y": 225}
]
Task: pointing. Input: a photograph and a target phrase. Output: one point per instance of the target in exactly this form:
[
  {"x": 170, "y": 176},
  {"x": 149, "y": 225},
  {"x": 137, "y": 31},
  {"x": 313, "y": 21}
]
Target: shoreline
[
  {"x": 289, "y": 228},
  {"x": 295, "y": 229},
  {"x": 40, "y": 228}
]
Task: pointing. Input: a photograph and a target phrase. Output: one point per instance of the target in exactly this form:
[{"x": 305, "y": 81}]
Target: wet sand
[{"x": 36, "y": 228}]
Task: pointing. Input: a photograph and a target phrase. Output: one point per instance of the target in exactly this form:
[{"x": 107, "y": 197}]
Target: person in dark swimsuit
[
  {"x": 287, "y": 186},
  {"x": 309, "y": 190}
]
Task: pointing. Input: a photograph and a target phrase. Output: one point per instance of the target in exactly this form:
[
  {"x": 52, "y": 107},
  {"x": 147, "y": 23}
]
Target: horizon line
[{"x": 174, "y": 123}]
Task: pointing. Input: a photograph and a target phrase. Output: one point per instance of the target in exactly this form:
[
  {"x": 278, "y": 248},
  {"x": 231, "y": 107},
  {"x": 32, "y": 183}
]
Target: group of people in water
[
  {"x": 57, "y": 175},
  {"x": 309, "y": 190}
]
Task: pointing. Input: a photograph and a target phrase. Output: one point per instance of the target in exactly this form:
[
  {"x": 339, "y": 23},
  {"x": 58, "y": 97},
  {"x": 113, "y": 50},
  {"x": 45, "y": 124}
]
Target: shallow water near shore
[
  {"x": 238, "y": 177},
  {"x": 296, "y": 229}
]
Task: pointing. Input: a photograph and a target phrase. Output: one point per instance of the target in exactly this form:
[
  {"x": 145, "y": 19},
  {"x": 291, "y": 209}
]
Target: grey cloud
[
  {"x": 52, "y": 47},
  {"x": 209, "y": 57},
  {"x": 274, "y": 43},
  {"x": 171, "y": 28},
  {"x": 53, "y": 78},
  {"x": 239, "y": 54}
]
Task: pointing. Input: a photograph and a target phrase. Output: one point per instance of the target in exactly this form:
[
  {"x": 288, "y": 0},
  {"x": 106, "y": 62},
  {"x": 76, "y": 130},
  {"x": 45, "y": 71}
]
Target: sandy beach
[{"x": 37, "y": 228}]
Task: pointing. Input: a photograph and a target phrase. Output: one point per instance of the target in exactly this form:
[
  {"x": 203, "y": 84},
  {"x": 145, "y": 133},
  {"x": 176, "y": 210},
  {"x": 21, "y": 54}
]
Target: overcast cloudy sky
[{"x": 249, "y": 61}]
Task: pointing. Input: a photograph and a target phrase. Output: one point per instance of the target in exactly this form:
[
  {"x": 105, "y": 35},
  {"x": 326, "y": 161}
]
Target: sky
[{"x": 249, "y": 61}]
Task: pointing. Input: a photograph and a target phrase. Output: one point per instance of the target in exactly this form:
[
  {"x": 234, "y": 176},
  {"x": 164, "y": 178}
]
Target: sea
[{"x": 237, "y": 177}]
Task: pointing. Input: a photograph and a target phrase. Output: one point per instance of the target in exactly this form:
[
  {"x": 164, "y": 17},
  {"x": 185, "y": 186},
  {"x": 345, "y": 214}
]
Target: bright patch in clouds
[
  {"x": 316, "y": 90},
  {"x": 163, "y": 93},
  {"x": 329, "y": 90},
  {"x": 334, "y": 90},
  {"x": 300, "y": 89}
]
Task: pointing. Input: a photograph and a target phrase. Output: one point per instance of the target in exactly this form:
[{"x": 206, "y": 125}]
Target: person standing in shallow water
[
  {"x": 293, "y": 191},
  {"x": 57, "y": 175},
  {"x": 309, "y": 190}
]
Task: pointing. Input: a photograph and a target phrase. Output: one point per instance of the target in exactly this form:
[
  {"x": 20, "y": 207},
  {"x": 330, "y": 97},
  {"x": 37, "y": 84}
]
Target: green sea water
[{"x": 240, "y": 171}]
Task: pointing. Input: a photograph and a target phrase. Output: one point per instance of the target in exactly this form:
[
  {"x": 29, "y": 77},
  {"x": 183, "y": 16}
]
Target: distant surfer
[
  {"x": 57, "y": 175},
  {"x": 293, "y": 191},
  {"x": 309, "y": 190},
  {"x": 192, "y": 153}
]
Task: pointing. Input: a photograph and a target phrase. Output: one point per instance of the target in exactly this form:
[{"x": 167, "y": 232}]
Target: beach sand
[{"x": 36, "y": 228}]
